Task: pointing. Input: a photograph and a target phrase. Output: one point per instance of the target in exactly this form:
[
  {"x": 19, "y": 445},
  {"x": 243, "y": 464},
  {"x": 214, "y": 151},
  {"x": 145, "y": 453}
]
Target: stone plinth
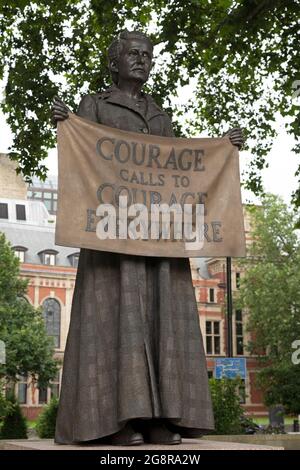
[{"x": 187, "y": 444}]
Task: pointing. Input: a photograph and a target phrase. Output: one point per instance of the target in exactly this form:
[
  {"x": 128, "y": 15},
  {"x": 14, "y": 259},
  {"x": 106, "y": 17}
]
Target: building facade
[
  {"x": 209, "y": 280},
  {"x": 45, "y": 192},
  {"x": 12, "y": 184},
  {"x": 51, "y": 272}
]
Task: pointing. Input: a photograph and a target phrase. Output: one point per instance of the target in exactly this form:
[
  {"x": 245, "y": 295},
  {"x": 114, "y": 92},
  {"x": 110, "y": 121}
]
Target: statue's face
[{"x": 135, "y": 60}]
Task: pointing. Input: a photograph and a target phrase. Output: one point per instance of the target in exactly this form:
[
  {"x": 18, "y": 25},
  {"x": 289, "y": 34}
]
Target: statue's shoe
[
  {"x": 125, "y": 437},
  {"x": 158, "y": 433},
  {"x": 189, "y": 433}
]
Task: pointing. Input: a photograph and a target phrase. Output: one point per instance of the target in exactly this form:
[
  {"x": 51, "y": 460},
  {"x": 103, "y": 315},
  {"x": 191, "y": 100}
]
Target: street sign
[{"x": 230, "y": 367}]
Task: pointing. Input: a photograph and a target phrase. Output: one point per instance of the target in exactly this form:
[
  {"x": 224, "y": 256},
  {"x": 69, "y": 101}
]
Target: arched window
[{"x": 51, "y": 314}]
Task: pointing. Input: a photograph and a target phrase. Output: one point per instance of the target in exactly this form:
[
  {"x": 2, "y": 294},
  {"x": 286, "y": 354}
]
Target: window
[
  {"x": 35, "y": 194},
  {"x": 48, "y": 197},
  {"x": 51, "y": 314},
  {"x": 239, "y": 332},
  {"x": 242, "y": 392},
  {"x": 47, "y": 204},
  {"x": 74, "y": 260},
  {"x": 210, "y": 374},
  {"x": 21, "y": 255},
  {"x": 10, "y": 389},
  {"x": 213, "y": 343},
  {"x": 19, "y": 252},
  {"x": 43, "y": 391},
  {"x": 20, "y": 212},
  {"x": 22, "y": 390},
  {"x": 55, "y": 386},
  {"x": 3, "y": 210},
  {"x": 48, "y": 257},
  {"x": 238, "y": 280},
  {"x": 211, "y": 295}
]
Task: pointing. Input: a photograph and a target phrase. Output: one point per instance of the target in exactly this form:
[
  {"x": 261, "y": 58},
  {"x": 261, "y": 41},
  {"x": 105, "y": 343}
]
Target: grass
[
  {"x": 31, "y": 424},
  {"x": 264, "y": 420}
]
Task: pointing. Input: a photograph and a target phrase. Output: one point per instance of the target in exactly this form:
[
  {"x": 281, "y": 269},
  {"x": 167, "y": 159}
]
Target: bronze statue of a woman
[{"x": 134, "y": 366}]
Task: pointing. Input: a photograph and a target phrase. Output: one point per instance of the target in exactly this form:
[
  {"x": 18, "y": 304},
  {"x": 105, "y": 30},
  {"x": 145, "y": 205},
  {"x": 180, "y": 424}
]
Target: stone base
[{"x": 187, "y": 444}]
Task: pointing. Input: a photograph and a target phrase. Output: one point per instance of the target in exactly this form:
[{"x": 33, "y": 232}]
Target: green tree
[
  {"x": 47, "y": 420},
  {"x": 228, "y": 412},
  {"x": 241, "y": 54},
  {"x": 29, "y": 351},
  {"x": 270, "y": 293},
  {"x": 5, "y": 404},
  {"x": 14, "y": 423}
]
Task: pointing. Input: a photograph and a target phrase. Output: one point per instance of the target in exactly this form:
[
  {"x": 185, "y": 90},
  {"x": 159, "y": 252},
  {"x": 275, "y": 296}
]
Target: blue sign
[{"x": 230, "y": 368}]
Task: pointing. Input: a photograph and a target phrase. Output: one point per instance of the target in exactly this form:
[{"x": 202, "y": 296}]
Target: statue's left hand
[{"x": 236, "y": 137}]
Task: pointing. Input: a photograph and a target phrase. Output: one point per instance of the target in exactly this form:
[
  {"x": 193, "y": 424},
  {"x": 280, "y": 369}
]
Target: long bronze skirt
[{"x": 134, "y": 348}]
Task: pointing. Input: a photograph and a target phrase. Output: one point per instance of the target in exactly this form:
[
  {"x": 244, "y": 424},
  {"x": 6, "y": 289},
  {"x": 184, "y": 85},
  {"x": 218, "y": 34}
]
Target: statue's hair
[{"x": 115, "y": 48}]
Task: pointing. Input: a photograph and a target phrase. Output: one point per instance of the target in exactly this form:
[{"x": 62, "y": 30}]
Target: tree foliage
[
  {"x": 282, "y": 385},
  {"x": 228, "y": 412},
  {"x": 29, "y": 351},
  {"x": 46, "y": 423},
  {"x": 5, "y": 404},
  {"x": 270, "y": 293},
  {"x": 241, "y": 54},
  {"x": 14, "y": 424}
]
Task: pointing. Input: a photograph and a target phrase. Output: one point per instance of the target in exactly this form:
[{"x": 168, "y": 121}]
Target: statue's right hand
[{"x": 59, "y": 111}]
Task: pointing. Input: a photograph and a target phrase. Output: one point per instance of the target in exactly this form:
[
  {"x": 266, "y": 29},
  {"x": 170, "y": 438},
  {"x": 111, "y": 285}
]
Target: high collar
[{"x": 115, "y": 96}]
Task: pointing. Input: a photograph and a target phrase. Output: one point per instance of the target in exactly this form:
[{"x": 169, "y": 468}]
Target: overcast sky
[{"x": 278, "y": 178}]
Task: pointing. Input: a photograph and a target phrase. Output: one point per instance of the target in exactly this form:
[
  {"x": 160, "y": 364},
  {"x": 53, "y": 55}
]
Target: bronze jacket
[{"x": 114, "y": 109}]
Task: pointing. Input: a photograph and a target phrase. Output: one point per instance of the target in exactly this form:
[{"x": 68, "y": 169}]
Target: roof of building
[
  {"x": 36, "y": 233},
  {"x": 36, "y": 240}
]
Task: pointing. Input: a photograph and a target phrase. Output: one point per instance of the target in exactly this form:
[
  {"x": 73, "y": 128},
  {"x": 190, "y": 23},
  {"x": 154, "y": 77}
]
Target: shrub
[
  {"x": 5, "y": 406},
  {"x": 228, "y": 412},
  {"x": 14, "y": 423},
  {"x": 45, "y": 426}
]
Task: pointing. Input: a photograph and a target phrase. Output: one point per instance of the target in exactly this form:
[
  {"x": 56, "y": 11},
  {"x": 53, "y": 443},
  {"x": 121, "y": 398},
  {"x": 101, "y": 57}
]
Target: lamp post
[
  {"x": 229, "y": 307},
  {"x": 227, "y": 286}
]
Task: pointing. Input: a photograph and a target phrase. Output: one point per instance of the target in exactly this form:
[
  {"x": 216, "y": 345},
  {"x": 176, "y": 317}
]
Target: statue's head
[{"x": 130, "y": 56}]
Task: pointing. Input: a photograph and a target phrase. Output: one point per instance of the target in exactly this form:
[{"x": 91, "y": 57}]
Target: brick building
[
  {"x": 51, "y": 272},
  {"x": 209, "y": 280}
]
